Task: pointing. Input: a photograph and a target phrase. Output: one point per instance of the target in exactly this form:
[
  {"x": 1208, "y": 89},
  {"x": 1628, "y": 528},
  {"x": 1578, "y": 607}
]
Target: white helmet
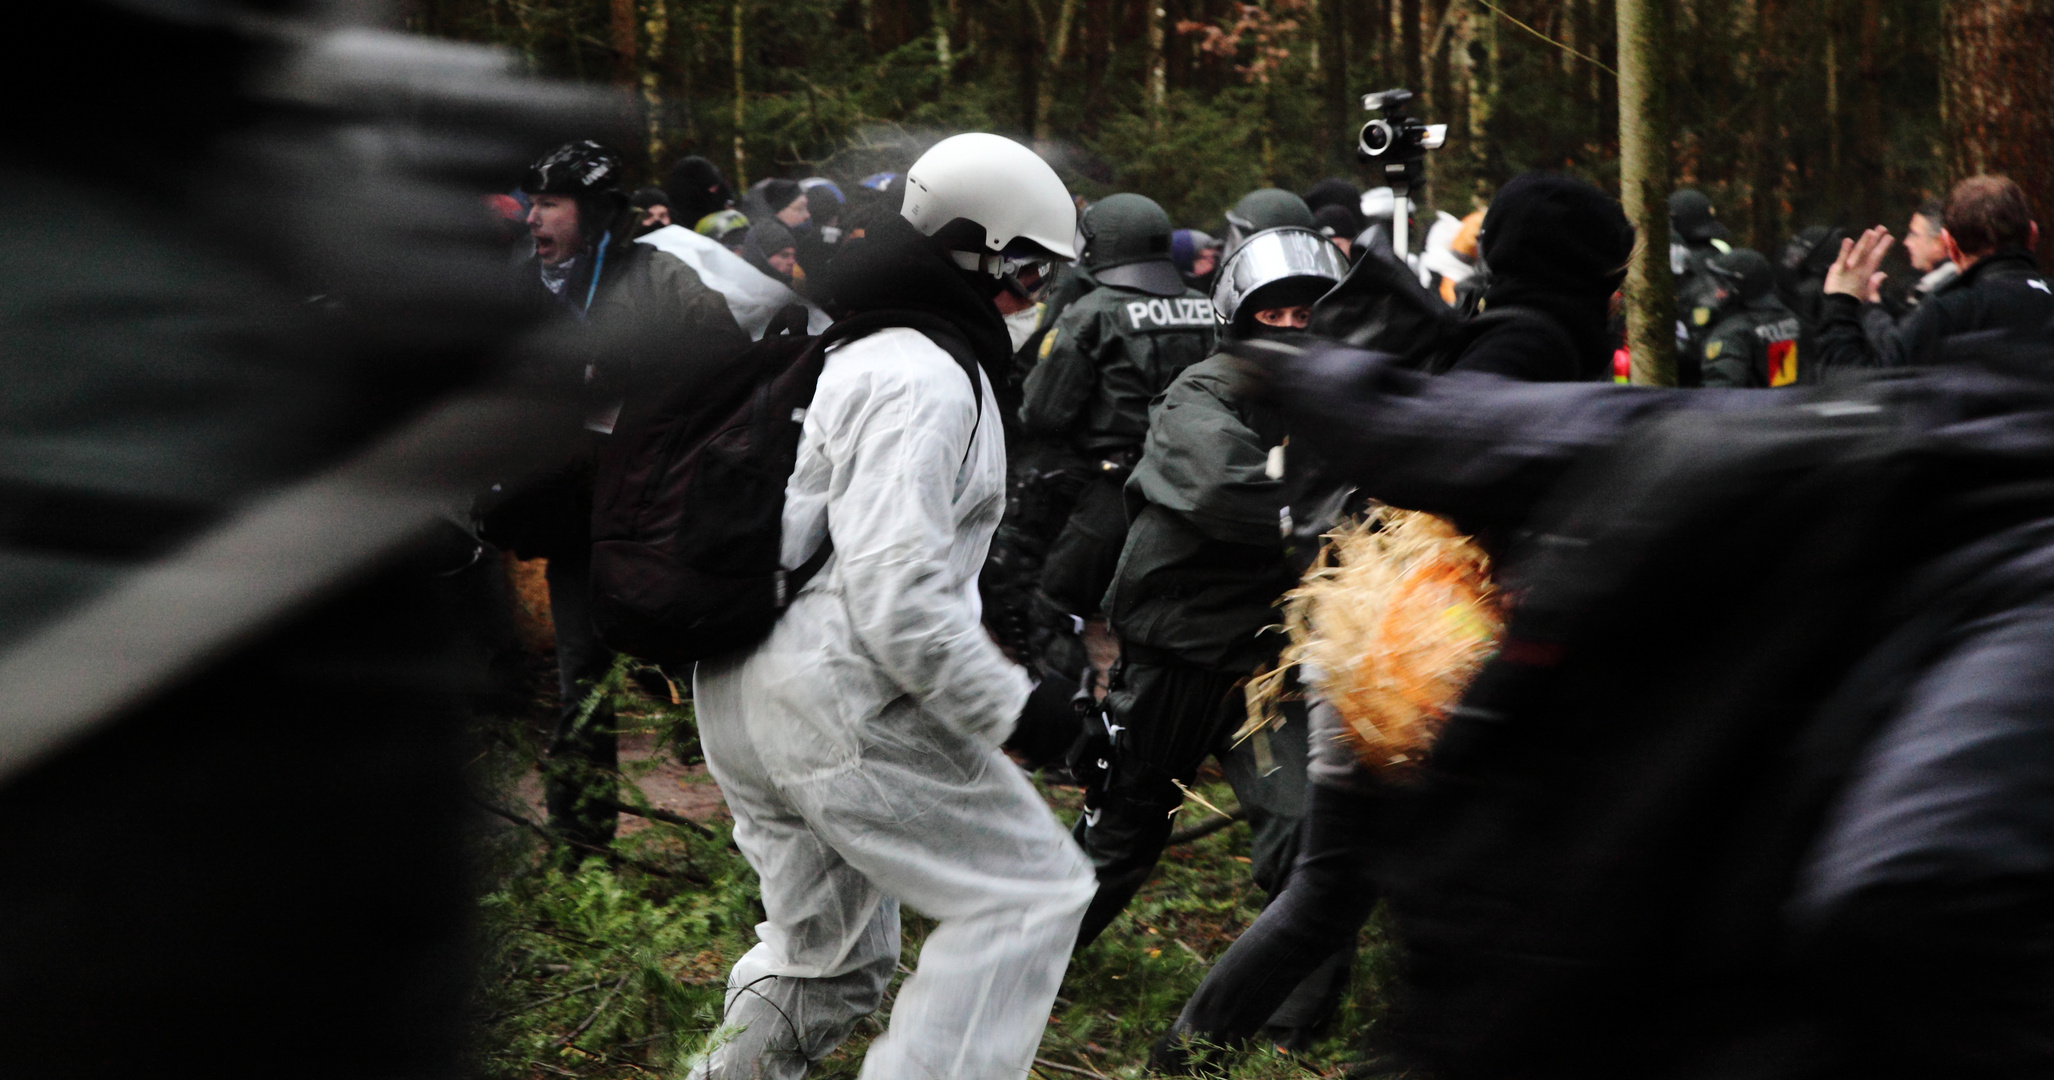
[{"x": 1005, "y": 189}]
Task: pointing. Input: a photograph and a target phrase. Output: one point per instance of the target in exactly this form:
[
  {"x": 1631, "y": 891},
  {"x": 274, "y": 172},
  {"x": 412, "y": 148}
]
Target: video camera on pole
[{"x": 1397, "y": 143}]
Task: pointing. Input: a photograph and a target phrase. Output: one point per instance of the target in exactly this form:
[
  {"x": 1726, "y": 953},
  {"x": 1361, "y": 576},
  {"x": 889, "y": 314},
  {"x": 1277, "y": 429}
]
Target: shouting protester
[{"x": 648, "y": 319}]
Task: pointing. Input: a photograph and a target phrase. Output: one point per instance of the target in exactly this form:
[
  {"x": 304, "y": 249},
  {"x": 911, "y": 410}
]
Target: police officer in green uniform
[
  {"x": 1753, "y": 343},
  {"x": 1109, "y": 354},
  {"x": 1695, "y": 238},
  {"x": 1194, "y": 596}
]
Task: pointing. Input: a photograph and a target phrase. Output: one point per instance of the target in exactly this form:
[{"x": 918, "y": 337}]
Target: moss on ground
[{"x": 615, "y": 968}]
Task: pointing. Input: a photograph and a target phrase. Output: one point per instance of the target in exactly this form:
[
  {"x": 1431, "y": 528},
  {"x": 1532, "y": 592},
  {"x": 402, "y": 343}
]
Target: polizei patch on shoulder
[{"x": 1175, "y": 313}]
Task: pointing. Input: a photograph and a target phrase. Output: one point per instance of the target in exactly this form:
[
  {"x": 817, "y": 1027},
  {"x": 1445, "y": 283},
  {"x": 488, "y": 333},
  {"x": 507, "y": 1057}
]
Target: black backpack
[{"x": 688, "y": 500}]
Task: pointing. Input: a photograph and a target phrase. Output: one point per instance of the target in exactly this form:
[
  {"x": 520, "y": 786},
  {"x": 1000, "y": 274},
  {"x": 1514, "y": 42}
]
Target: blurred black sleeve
[{"x": 1478, "y": 448}]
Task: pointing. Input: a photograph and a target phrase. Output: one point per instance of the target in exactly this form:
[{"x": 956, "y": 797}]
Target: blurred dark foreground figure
[
  {"x": 1782, "y": 815},
  {"x": 256, "y": 350}
]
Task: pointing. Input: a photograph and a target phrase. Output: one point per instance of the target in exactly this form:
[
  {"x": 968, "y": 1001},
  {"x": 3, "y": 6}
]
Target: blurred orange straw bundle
[{"x": 1389, "y": 626}]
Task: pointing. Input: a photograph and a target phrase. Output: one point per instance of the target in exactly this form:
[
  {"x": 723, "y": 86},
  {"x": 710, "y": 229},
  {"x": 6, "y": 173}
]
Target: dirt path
[{"x": 686, "y": 790}]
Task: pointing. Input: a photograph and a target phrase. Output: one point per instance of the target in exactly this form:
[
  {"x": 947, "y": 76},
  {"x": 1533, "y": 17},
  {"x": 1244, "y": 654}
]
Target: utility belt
[{"x": 1117, "y": 465}]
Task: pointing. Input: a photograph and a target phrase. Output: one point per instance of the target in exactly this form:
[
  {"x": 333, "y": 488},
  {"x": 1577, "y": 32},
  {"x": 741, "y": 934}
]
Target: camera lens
[{"x": 1376, "y": 139}]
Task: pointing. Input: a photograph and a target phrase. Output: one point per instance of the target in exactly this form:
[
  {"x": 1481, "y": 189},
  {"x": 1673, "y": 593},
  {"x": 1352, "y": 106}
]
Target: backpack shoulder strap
[{"x": 938, "y": 330}]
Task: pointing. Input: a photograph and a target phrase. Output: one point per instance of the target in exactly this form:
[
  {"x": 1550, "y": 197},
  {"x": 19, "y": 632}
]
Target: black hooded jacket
[
  {"x": 1558, "y": 246},
  {"x": 696, "y": 189},
  {"x": 1819, "y": 841}
]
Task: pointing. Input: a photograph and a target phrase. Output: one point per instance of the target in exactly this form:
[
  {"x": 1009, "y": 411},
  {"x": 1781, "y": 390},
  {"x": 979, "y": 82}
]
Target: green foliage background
[{"x": 1787, "y": 112}]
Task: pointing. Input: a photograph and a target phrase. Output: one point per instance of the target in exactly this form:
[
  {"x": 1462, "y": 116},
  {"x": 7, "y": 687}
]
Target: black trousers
[
  {"x": 584, "y": 751},
  {"x": 1169, "y": 717},
  {"x": 1329, "y": 896}
]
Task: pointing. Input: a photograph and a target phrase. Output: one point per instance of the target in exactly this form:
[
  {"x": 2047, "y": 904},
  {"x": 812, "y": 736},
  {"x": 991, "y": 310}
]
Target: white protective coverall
[{"x": 858, "y": 750}]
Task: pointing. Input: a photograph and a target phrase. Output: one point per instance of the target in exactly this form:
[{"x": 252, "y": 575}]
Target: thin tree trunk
[
  {"x": 1408, "y": 43},
  {"x": 1158, "y": 64},
  {"x": 1644, "y": 188},
  {"x": 741, "y": 163},
  {"x": 1766, "y": 136},
  {"x": 1832, "y": 117},
  {"x": 1058, "y": 42},
  {"x": 1483, "y": 101},
  {"x": 1340, "y": 99},
  {"x": 1997, "y": 97},
  {"x": 622, "y": 24},
  {"x": 1096, "y": 41},
  {"x": 688, "y": 60},
  {"x": 655, "y": 27},
  {"x": 1312, "y": 40}
]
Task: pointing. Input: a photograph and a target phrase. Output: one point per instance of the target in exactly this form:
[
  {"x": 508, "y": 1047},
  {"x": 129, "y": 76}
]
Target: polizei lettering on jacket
[{"x": 1175, "y": 313}]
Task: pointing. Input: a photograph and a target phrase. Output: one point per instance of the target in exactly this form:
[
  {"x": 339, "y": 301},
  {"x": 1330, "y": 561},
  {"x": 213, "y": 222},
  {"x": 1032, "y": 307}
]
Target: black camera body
[{"x": 1397, "y": 141}]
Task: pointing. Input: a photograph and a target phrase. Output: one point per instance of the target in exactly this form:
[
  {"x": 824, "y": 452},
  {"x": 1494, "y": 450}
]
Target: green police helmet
[
  {"x": 1745, "y": 271},
  {"x": 1126, "y": 242},
  {"x": 1266, "y": 208}
]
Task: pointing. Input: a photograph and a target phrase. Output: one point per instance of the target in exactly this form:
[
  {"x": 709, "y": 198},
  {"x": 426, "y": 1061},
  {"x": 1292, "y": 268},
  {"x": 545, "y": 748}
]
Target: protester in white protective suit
[{"x": 858, "y": 746}]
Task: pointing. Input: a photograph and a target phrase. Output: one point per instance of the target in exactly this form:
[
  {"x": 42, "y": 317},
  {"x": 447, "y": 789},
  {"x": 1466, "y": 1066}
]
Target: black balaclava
[
  {"x": 1334, "y": 191},
  {"x": 894, "y": 266},
  {"x": 1340, "y": 222},
  {"x": 1290, "y": 292},
  {"x": 696, "y": 189},
  {"x": 1558, "y": 245}
]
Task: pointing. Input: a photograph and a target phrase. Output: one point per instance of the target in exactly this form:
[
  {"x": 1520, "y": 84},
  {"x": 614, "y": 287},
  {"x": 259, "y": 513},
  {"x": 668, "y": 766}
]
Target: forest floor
[{"x": 614, "y": 966}]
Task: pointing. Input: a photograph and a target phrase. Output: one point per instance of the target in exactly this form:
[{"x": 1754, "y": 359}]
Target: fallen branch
[
  {"x": 539, "y": 1002},
  {"x": 555, "y": 837},
  {"x": 654, "y": 814},
  {"x": 596, "y": 1010},
  {"x": 1205, "y": 829},
  {"x": 1072, "y": 1069}
]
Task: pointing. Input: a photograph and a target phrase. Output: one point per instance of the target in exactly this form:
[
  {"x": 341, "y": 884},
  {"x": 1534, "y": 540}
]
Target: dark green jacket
[
  {"x": 1069, "y": 284},
  {"x": 1754, "y": 345},
  {"x": 1204, "y": 562},
  {"x": 1107, "y": 356},
  {"x": 1697, "y": 294}
]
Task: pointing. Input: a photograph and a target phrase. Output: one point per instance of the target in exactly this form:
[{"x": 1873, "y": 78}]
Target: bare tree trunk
[
  {"x": 1832, "y": 95},
  {"x": 1158, "y": 64},
  {"x": 1314, "y": 16},
  {"x": 741, "y": 180},
  {"x": 1055, "y": 45},
  {"x": 655, "y": 27},
  {"x": 1644, "y": 188},
  {"x": 621, "y": 22},
  {"x": 1997, "y": 97},
  {"x": 1483, "y": 101},
  {"x": 944, "y": 24},
  {"x": 1765, "y": 209},
  {"x": 1334, "y": 27},
  {"x": 1408, "y": 42}
]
